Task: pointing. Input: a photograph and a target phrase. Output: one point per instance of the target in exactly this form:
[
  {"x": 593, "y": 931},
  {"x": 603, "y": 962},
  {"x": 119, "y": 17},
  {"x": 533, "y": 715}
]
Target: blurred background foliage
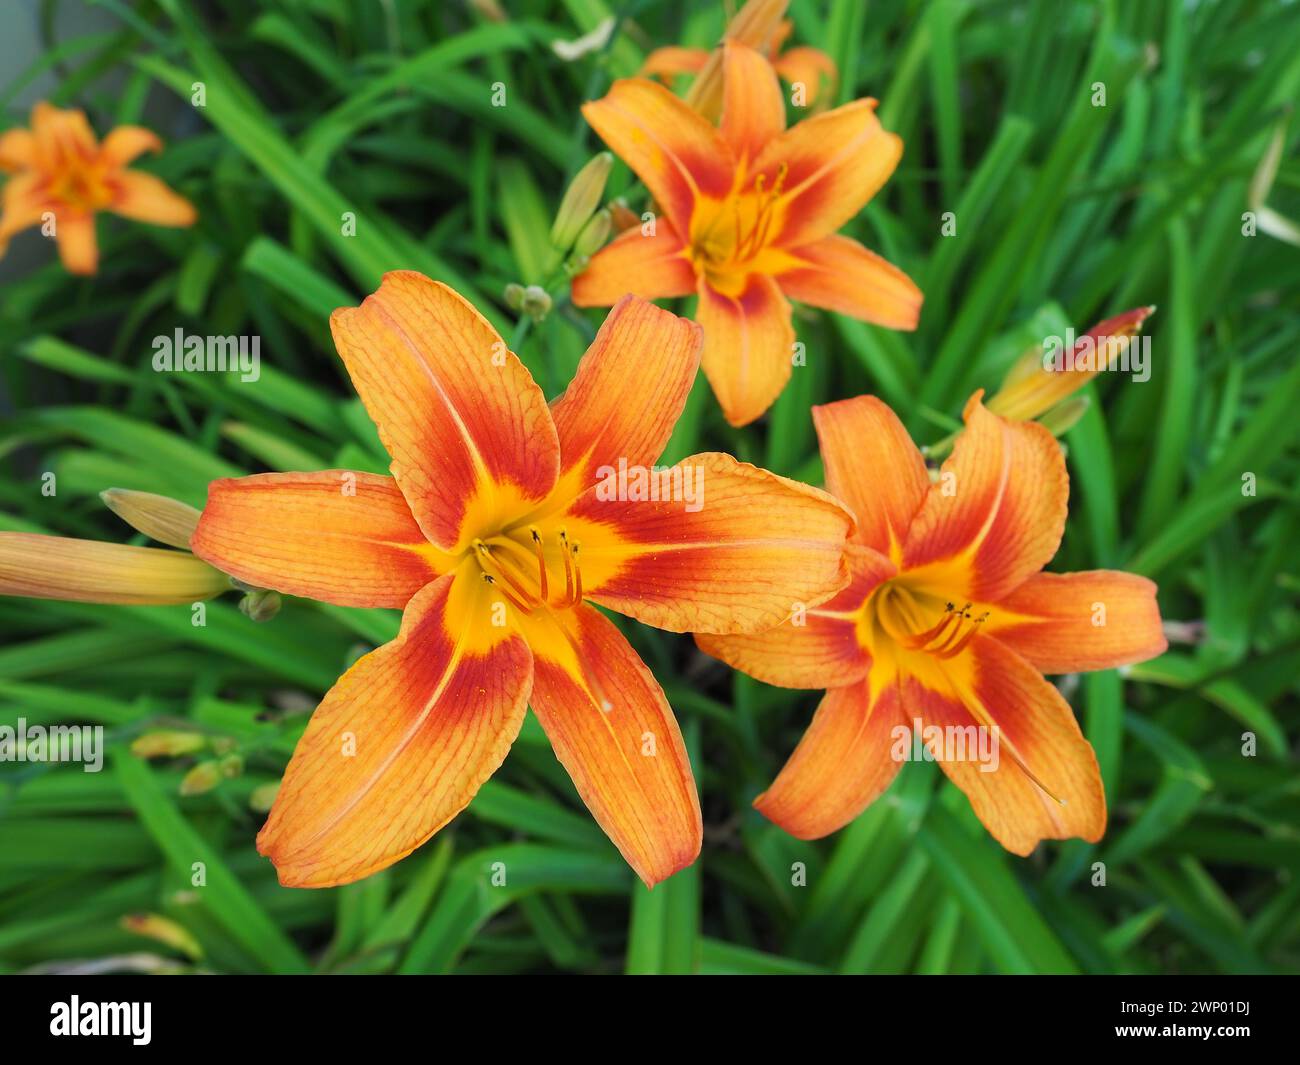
[{"x": 1066, "y": 212}]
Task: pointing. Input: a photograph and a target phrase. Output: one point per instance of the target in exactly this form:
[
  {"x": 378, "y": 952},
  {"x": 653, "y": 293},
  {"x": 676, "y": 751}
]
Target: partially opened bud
[
  {"x": 160, "y": 518},
  {"x": 88, "y": 571},
  {"x": 1033, "y": 387},
  {"x": 581, "y": 200},
  {"x": 167, "y": 743},
  {"x": 754, "y": 25},
  {"x": 165, "y": 931}
]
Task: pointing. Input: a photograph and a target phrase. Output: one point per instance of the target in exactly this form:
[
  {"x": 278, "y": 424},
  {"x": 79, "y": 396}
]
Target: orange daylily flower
[
  {"x": 749, "y": 218},
  {"x": 60, "y": 169},
  {"x": 949, "y": 622},
  {"x": 496, "y": 532},
  {"x": 797, "y": 66}
]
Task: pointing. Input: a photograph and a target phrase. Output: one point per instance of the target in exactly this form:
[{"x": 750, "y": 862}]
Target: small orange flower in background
[
  {"x": 749, "y": 218},
  {"x": 949, "y": 622},
  {"x": 809, "y": 67},
  {"x": 60, "y": 172},
  {"x": 498, "y": 525}
]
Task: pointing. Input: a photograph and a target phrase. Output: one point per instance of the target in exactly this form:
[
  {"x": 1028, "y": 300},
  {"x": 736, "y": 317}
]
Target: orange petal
[
  {"x": 1037, "y": 734},
  {"x": 1072, "y": 622},
  {"x": 839, "y": 274},
  {"x": 627, "y": 395},
  {"x": 753, "y": 110},
  {"x": 841, "y": 765},
  {"x": 996, "y": 516},
  {"x": 672, "y": 149},
  {"x": 17, "y": 150},
  {"x": 721, "y": 547},
  {"x": 873, "y": 466},
  {"x": 471, "y": 439},
  {"x": 667, "y": 63},
  {"x": 336, "y": 536},
  {"x": 748, "y": 346},
  {"x": 125, "y": 144},
  {"x": 63, "y": 138},
  {"x": 78, "y": 248},
  {"x": 818, "y": 648},
  {"x": 145, "y": 198},
  {"x": 808, "y": 67},
  {"x": 24, "y": 203},
  {"x": 613, "y": 730},
  {"x": 835, "y": 163},
  {"x": 87, "y": 571},
  {"x": 400, "y": 744},
  {"x": 653, "y": 266}
]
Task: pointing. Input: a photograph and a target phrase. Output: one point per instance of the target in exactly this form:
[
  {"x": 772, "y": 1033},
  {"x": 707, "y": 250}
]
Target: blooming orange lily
[
  {"x": 60, "y": 169},
  {"x": 795, "y": 66},
  {"x": 948, "y": 623},
  {"x": 750, "y": 211},
  {"x": 498, "y": 529}
]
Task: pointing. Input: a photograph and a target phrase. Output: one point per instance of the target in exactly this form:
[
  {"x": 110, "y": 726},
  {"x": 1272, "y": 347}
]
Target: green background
[{"x": 1066, "y": 213}]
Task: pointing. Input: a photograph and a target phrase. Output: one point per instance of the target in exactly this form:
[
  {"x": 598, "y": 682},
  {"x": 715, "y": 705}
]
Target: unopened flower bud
[
  {"x": 261, "y": 605},
  {"x": 231, "y": 766},
  {"x": 168, "y": 521},
  {"x": 201, "y": 779},
  {"x": 514, "y": 294},
  {"x": 593, "y": 235},
  {"x": 167, "y": 743},
  {"x": 263, "y": 797},
  {"x": 536, "y": 302},
  {"x": 580, "y": 201}
]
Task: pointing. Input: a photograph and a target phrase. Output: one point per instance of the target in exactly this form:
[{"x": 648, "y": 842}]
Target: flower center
[
  {"x": 79, "y": 182},
  {"x": 916, "y": 621},
  {"x": 726, "y": 234},
  {"x": 516, "y": 564}
]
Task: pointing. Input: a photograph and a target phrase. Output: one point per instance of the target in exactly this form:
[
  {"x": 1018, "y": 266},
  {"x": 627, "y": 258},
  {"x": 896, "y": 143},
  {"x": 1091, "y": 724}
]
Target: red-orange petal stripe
[
  {"x": 873, "y": 466},
  {"x": 670, "y": 147},
  {"x": 469, "y": 432},
  {"x": 614, "y": 732},
  {"x": 650, "y": 265},
  {"x": 399, "y": 746},
  {"x": 338, "y": 536},
  {"x": 1072, "y": 622},
  {"x": 839, "y": 274},
  {"x": 627, "y": 394},
  {"x": 842, "y": 764},
  {"x": 753, "y": 109},
  {"x": 996, "y": 515},
  {"x": 1036, "y": 732},
  {"x": 834, "y": 163},
  {"x": 751, "y": 548},
  {"x": 819, "y": 647},
  {"x": 748, "y": 346}
]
